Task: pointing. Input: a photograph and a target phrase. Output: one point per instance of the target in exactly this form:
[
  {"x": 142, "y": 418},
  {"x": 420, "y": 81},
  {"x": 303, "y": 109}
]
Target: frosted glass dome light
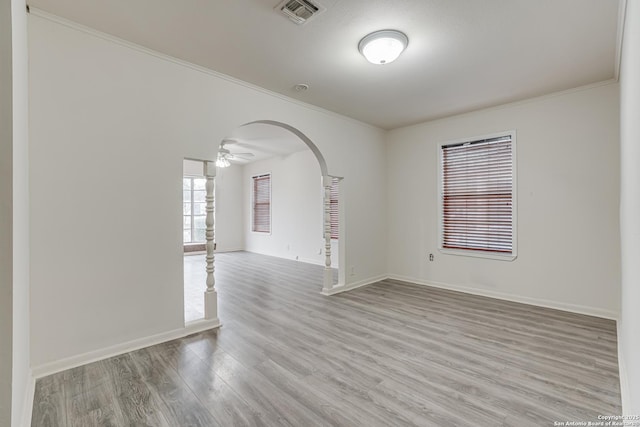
[{"x": 383, "y": 47}]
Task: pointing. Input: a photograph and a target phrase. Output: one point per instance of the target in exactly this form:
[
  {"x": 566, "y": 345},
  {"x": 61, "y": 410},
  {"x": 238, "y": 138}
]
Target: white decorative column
[
  {"x": 328, "y": 273},
  {"x": 210, "y": 295}
]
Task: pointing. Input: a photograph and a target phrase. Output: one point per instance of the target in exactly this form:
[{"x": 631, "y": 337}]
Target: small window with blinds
[
  {"x": 261, "y": 204},
  {"x": 477, "y": 197},
  {"x": 333, "y": 208}
]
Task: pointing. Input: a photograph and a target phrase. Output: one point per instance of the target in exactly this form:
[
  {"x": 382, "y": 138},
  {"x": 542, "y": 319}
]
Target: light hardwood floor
[{"x": 389, "y": 354}]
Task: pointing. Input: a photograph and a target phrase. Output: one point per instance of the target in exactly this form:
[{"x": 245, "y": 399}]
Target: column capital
[{"x": 209, "y": 169}]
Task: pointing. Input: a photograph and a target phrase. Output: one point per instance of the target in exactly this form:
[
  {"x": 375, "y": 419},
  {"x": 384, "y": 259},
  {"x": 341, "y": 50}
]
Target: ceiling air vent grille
[{"x": 299, "y": 11}]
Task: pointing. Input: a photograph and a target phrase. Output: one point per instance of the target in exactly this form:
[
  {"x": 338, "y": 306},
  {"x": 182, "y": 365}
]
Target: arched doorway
[{"x": 328, "y": 185}]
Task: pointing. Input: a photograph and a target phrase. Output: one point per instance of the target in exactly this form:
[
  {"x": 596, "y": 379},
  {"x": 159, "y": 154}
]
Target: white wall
[
  {"x": 6, "y": 213},
  {"x": 567, "y": 189},
  {"x": 630, "y": 210},
  {"x": 22, "y": 381},
  {"x": 15, "y": 375},
  {"x": 106, "y": 243},
  {"x": 296, "y": 209},
  {"x": 230, "y": 230}
]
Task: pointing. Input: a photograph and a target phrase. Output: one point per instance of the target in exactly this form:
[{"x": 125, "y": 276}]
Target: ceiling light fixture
[
  {"x": 384, "y": 46},
  {"x": 222, "y": 161}
]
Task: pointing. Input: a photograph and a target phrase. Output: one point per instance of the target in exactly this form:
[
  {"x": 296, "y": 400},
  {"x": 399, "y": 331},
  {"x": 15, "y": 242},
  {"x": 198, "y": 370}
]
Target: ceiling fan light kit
[
  {"x": 222, "y": 161},
  {"x": 384, "y": 46},
  {"x": 224, "y": 155}
]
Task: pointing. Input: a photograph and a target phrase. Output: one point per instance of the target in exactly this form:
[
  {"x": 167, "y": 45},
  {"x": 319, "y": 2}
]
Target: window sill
[{"x": 479, "y": 254}]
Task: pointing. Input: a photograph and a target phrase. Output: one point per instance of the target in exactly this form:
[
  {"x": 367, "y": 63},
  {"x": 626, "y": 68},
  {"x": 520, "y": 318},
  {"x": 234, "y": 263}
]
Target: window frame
[
  {"x": 192, "y": 216},
  {"x": 253, "y": 204},
  {"x": 514, "y": 200}
]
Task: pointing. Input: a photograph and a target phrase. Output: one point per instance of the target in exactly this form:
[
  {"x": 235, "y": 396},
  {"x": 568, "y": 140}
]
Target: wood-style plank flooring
[{"x": 389, "y": 354}]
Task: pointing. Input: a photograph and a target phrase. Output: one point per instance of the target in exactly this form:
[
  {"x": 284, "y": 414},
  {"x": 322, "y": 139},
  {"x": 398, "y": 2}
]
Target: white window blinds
[
  {"x": 477, "y": 195},
  {"x": 261, "y": 215},
  {"x": 333, "y": 212}
]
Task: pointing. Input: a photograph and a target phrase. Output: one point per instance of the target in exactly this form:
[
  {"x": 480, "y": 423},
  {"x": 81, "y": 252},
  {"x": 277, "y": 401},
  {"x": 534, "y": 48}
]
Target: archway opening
[{"x": 274, "y": 196}]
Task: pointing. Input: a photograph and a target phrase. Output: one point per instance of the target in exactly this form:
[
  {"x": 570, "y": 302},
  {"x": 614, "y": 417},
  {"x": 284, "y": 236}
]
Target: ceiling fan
[{"x": 224, "y": 155}]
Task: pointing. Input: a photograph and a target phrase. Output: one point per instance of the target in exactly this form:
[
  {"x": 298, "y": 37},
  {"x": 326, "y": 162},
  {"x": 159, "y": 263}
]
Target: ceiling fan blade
[
  {"x": 229, "y": 141},
  {"x": 240, "y": 156}
]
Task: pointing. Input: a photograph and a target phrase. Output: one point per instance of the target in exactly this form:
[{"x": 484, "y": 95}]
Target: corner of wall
[
  {"x": 622, "y": 372},
  {"x": 23, "y": 385}
]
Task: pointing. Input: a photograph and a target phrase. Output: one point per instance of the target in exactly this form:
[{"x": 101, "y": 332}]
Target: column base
[
  {"x": 210, "y": 305},
  {"x": 327, "y": 284}
]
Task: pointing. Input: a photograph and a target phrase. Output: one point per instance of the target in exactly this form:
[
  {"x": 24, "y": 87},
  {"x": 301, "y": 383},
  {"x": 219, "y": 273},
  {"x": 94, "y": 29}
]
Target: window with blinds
[
  {"x": 261, "y": 200},
  {"x": 333, "y": 205},
  {"x": 477, "y": 196}
]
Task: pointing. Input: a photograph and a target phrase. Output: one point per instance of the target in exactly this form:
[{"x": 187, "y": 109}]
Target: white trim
[
  {"x": 224, "y": 251},
  {"x": 624, "y": 381},
  {"x": 622, "y": 14},
  {"x": 95, "y": 355},
  {"x": 572, "y": 308},
  {"x": 319, "y": 262},
  {"x": 29, "y": 394},
  {"x": 476, "y": 254},
  {"x": 351, "y": 286},
  {"x": 514, "y": 199},
  {"x": 200, "y": 325},
  {"x": 108, "y": 37}
]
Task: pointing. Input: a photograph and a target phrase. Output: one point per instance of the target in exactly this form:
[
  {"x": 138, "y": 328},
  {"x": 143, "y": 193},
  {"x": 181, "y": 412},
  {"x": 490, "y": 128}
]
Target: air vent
[{"x": 299, "y": 11}]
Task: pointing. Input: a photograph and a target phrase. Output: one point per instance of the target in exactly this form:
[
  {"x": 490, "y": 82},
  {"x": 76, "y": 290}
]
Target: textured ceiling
[{"x": 462, "y": 54}]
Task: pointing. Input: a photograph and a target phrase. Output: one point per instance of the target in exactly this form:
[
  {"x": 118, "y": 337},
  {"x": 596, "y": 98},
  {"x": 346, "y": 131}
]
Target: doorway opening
[
  {"x": 274, "y": 197},
  {"x": 193, "y": 237}
]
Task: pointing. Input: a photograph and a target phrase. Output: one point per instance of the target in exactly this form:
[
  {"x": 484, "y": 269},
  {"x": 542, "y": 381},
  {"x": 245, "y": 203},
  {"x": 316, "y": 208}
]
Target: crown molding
[{"x": 125, "y": 43}]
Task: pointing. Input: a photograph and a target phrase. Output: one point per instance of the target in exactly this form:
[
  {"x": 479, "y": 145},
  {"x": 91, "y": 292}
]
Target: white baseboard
[
  {"x": 217, "y": 251},
  {"x": 200, "y": 325},
  {"x": 319, "y": 262},
  {"x": 351, "y": 286},
  {"x": 115, "y": 350},
  {"x": 308, "y": 261},
  {"x": 573, "y": 308},
  {"x": 622, "y": 373},
  {"x": 27, "y": 410},
  {"x": 227, "y": 250},
  {"x": 314, "y": 262}
]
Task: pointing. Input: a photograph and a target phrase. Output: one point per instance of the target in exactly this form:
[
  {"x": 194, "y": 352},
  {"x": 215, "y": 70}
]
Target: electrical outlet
[
  {"x": 352, "y": 270},
  {"x": 430, "y": 257}
]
